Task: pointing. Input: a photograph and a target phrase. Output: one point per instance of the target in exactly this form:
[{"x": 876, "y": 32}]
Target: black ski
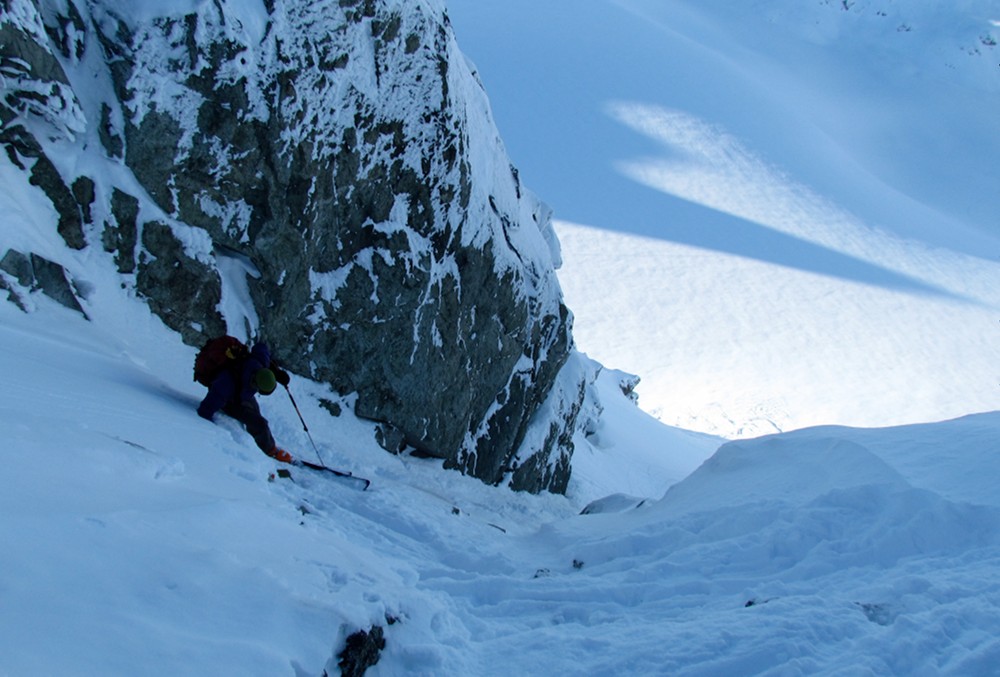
[{"x": 360, "y": 482}]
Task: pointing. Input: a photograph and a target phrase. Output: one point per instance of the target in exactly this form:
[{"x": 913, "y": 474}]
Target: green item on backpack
[{"x": 265, "y": 381}]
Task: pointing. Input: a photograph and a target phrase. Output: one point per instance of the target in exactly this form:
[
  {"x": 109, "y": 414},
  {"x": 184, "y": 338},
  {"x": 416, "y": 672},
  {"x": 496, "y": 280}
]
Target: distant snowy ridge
[
  {"x": 778, "y": 214},
  {"x": 958, "y": 42}
]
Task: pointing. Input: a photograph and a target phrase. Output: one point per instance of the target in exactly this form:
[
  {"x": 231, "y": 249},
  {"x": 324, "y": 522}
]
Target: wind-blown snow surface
[
  {"x": 777, "y": 213},
  {"x": 140, "y": 539}
]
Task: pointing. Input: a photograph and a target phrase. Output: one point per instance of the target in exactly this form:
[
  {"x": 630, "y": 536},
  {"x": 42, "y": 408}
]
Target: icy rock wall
[{"x": 345, "y": 150}]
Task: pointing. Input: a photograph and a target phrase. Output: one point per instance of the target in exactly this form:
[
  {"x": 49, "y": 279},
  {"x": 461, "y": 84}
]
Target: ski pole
[{"x": 304, "y": 426}]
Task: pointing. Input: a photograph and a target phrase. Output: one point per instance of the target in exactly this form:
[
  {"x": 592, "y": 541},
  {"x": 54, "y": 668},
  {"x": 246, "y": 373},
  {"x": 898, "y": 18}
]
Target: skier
[{"x": 233, "y": 383}]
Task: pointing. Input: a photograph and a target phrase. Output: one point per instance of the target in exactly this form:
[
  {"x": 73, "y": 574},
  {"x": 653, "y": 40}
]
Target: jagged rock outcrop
[
  {"x": 344, "y": 152},
  {"x": 362, "y": 650},
  {"x": 36, "y": 273}
]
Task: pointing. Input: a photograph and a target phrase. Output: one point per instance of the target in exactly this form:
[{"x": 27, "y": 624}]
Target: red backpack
[{"x": 217, "y": 355}]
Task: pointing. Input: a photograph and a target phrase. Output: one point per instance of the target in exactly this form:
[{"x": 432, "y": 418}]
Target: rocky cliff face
[{"x": 341, "y": 158}]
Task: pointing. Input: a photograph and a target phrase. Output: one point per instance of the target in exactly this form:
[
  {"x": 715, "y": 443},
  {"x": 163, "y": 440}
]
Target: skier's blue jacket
[{"x": 236, "y": 385}]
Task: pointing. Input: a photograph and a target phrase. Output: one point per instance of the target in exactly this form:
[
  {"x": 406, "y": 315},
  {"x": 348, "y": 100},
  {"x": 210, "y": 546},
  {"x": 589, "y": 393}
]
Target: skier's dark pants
[{"x": 248, "y": 413}]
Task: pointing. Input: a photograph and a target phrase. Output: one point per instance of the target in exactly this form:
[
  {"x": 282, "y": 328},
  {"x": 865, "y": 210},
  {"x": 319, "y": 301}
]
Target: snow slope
[
  {"x": 778, "y": 214},
  {"x": 140, "y": 539}
]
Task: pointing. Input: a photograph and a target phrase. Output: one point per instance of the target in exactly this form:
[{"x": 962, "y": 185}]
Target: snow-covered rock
[{"x": 326, "y": 176}]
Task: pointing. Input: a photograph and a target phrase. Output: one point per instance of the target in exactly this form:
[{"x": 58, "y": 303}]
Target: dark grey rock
[
  {"x": 52, "y": 280},
  {"x": 22, "y": 53},
  {"x": 19, "y": 265},
  {"x": 148, "y": 148},
  {"x": 37, "y": 273},
  {"x": 390, "y": 438},
  {"x": 70, "y": 227},
  {"x": 362, "y": 650},
  {"x": 83, "y": 193},
  {"x": 121, "y": 236},
  {"x": 109, "y": 135},
  {"x": 333, "y": 407},
  {"x": 24, "y": 150},
  {"x": 183, "y": 291}
]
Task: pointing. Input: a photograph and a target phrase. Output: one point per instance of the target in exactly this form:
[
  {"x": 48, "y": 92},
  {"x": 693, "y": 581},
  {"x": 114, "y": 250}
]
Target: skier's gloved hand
[{"x": 281, "y": 376}]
